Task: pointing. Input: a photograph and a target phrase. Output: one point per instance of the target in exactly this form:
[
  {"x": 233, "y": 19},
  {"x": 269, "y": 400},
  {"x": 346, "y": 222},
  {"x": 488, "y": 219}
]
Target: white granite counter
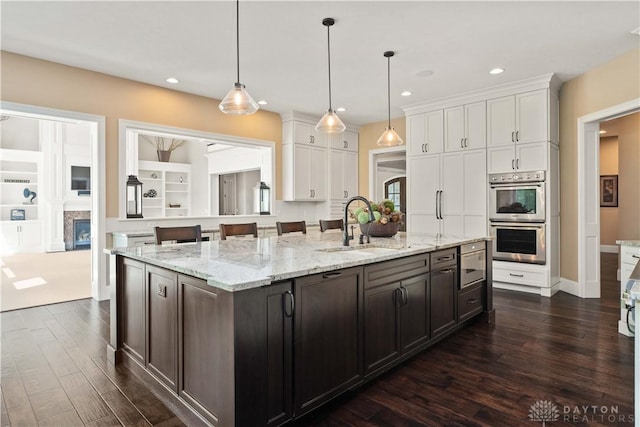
[
  {"x": 244, "y": 263},
  {"x": 634, "y": 243}
]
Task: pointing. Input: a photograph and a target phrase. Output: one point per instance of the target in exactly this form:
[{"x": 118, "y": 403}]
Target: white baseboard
[
  {"x": 569, "y": 286},
  {"x": 519, "y": 288},
  {"x": 610, "y": 249}
]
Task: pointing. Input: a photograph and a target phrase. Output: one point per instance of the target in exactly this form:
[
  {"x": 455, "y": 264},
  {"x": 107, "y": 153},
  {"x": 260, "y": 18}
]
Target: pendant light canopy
[
  {"x": 330, "y": 122},
  {"x": 389, "y": 137},
  {"x": 238, "y": 101}
]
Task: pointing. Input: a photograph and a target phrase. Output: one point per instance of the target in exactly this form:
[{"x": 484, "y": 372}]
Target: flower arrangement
[{"x": 388, "y": 219}]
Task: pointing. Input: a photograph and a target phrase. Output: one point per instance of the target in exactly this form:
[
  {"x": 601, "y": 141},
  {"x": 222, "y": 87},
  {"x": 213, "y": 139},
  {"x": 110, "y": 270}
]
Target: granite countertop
[
  {"x": 244, "y": 263},
  {"x": 151, "y": 233},
  {"x": 635, "y": 243}
]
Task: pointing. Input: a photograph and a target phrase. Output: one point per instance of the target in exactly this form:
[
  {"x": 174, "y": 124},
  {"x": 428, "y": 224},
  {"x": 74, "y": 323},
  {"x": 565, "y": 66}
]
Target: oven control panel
[{"x": 507, "y": 178}]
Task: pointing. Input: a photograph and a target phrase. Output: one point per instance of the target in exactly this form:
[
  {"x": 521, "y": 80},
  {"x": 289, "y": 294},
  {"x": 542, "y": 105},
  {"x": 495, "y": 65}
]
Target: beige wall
[
  {"x": 368, "y": 137},
  {"x": 609, "y": 166},
  {"x": 41, "y": 83},
  {"x": 610, "y": 84},
  {"x": 628, "y": 130}
]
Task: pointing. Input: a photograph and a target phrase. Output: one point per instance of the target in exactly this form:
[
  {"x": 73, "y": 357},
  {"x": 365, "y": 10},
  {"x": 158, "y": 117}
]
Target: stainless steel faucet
[{"x": 345, "y": 233}]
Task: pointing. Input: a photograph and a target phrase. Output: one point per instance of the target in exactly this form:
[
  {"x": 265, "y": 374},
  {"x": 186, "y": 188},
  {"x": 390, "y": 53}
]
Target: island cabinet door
[
  {"x": 328, "y": 334},
  {"x": 414, "y": 315},
  {"x": 162, "y": 325},
  {"x": 263, "y": 328},
  {"x": 205, "y": 350},
  {"x": 444, "y": 288},
  {"x": 381, "y": 326},
  {"x": 133, "y": 308}
]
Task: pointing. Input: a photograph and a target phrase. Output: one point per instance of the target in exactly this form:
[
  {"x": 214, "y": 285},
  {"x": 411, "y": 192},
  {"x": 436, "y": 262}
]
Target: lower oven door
[{"x": 519, "y": 242}]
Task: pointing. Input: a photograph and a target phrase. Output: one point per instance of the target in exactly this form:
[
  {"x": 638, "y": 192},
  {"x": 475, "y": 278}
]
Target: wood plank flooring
[{"x": 562, "y": 349}]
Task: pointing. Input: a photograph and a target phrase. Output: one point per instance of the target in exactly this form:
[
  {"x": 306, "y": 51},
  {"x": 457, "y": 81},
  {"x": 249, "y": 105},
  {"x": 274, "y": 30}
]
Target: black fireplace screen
[{"x": 81, "y": 233}]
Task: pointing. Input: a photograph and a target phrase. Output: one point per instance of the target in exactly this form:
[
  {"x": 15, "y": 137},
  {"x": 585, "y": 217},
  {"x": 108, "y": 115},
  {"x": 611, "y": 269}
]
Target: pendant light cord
[
  {"x": 238, "y": 40},
  {"x": 389, "y": 89},
  {"x": 329, "y": 62}
]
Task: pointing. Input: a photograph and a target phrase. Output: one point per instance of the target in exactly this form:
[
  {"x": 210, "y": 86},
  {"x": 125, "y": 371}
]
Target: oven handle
[
  {"x": 523, "y": 225},
  {"x": 516, "y": 186}
]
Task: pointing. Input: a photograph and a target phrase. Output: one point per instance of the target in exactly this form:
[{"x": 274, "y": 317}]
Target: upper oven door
[{"x": 517, "y": 202}]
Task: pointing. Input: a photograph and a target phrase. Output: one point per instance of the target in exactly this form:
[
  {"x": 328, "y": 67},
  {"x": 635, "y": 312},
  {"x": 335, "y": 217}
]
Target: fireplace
[{"x": 81, "y": 233}]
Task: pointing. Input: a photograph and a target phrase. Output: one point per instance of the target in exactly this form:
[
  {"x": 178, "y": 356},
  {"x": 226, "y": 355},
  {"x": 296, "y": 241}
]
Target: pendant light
[
  {"x": 389, "y": 137},
  {"x": 330, "y": 122},
  {"x": 238, "y": 101}
]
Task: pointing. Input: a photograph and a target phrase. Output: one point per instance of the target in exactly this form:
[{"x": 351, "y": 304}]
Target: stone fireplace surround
[{"x": 69, "y": 216}]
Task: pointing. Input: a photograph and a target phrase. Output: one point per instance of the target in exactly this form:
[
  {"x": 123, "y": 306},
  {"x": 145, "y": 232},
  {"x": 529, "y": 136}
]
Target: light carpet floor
[{"x": 28, "y": 280}]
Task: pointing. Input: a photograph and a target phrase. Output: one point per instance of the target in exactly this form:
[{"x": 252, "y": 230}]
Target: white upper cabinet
[
  {"x": 522, "y": 118},
  {"x": 305, "y": 172},
  {"x": 425, "y": 133},
  {"x": 305, "y": 133},
  {"x": 346, "y": 140},
  {"x": 465, "y": 127},
  {"x": 343, "y": 176}
]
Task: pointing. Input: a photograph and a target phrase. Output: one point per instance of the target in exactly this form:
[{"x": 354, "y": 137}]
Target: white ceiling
[{"x": 283, "y": 51}]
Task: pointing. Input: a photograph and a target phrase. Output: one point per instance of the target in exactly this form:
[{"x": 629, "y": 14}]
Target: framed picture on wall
[{"x": 609, "y": 191}]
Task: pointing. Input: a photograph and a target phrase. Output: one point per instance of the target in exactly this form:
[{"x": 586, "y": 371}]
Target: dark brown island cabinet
[{"x": 268, "y": 355}]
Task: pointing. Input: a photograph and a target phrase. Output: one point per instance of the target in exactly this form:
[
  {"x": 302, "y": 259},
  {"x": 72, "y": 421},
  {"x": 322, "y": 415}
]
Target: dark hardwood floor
[{"x": 564, "y": 350}]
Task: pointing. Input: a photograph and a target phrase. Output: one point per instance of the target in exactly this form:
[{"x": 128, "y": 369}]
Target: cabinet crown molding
[
  {"x": 311, "y": 119},
  {"x": 545, "y": 81}
]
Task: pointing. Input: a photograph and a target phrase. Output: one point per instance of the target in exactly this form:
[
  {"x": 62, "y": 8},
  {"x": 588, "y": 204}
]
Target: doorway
[
  {"x": 588, "y": 285},
  {"x": 395, "y": 190},
  {"x": 385, "y": 166},
  {"x": 53, "y": 213}
]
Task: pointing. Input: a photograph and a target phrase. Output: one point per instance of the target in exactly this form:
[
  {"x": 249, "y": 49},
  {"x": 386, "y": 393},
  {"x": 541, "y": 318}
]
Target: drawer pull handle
[
  {"x": 636, "y": 256},
  {"x": 516, "y": 275},
  {"x": 332, "y": 275},
  {"x": 472, "y": 300},
  {"x": 445, "y": 258},
  {"x": 446, "y": 270}
]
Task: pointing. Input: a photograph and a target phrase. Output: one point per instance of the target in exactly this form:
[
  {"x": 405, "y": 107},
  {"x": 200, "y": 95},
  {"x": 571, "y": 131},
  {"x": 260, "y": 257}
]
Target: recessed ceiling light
[
  {"x": 497, "y": 71},
  {"x": 341, "y": 109},
  {"x": 602, "y": 132},
  {"x": 262, "y": 102},
  {"x": 406, "y": 93},
  {"x": 173, "y": 80},
  {"x": 424, "y": 73}
]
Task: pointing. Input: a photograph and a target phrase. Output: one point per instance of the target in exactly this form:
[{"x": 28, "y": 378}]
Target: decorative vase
[
  {"x": 376, "y": 229},
  {"x": 164, "y": 155}
]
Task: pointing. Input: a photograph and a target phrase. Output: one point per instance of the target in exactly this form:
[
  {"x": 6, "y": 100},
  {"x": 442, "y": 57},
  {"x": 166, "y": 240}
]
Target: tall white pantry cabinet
[{"x": 454, "y": 143}]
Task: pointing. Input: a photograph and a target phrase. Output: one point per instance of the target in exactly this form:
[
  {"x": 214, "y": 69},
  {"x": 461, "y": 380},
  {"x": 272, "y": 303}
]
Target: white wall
[{"x": 19, "y": 133}]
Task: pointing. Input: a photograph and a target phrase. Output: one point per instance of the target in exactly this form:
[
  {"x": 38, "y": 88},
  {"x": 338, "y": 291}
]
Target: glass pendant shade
[
  {"x": 238, "y": 102},
  {"x": 330, "y": 123},
  {"x": 389, "y": 138}
]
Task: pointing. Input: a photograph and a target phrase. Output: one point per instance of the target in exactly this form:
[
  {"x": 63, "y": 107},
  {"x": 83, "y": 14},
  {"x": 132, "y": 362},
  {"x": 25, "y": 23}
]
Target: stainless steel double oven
[{"x": 517, "y": 216}]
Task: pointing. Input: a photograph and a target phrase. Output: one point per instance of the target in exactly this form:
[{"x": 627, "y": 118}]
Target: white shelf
[{"x": 168, "y": 185}]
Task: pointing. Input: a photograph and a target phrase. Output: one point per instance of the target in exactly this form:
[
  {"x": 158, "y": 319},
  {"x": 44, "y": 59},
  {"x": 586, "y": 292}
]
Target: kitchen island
[{"x": 252, "y": 332}]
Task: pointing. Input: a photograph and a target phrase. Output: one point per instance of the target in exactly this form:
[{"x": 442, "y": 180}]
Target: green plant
[{"x": 384, "y": 212}]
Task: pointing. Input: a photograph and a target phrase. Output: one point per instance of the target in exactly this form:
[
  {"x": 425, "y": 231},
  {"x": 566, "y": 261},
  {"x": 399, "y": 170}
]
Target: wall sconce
[
  {"x": 134, "y": 197},
  {"x": 261, "y": 198}
]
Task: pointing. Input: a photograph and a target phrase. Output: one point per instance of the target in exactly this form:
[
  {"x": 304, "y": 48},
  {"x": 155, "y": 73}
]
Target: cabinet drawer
[
  {"x": 470, "y": 301},
  {"x": 444, "y": 258},
  {"x": 520, "y": 276},
  {"x": 391, "y": 271}
]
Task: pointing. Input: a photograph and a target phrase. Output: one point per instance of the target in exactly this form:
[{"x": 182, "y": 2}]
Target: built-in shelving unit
[
  {"x": 171, "y": 183},
  {"x": 20, "y": 173}
]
